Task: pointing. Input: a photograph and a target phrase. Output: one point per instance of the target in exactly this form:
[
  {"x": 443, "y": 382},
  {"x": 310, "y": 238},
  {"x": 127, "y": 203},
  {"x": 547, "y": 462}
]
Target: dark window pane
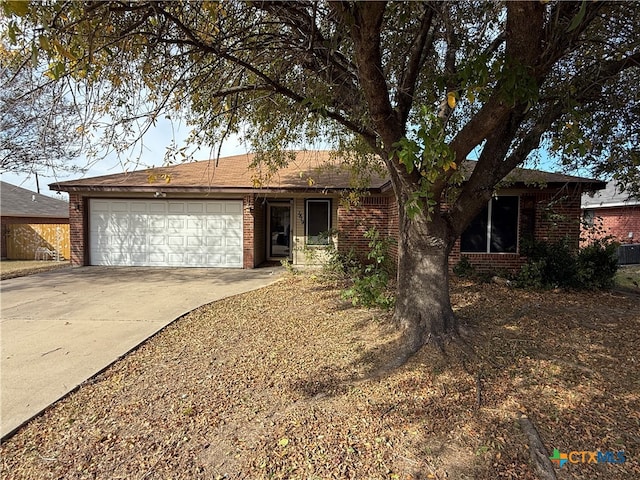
[
  {"x": 474, "y": 238},
  {"x": 504, "y": 224},
  {"x": 280, "y": 230},
  {"x": 318, "y": 222}
]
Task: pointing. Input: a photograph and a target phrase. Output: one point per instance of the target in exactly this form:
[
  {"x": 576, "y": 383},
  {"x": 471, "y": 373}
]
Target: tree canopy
[
  {"x": 40, "y": 130},
  {"x": 422, "y": 85},
  {"x": 282, "y": 72}
]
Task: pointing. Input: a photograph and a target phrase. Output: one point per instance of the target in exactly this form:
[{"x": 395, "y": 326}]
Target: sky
[{"x": 156, "y": 142}]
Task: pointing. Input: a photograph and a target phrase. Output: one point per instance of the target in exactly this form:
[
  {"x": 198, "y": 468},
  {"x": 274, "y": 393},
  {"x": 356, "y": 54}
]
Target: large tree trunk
[{"x": 423, "y": 308}]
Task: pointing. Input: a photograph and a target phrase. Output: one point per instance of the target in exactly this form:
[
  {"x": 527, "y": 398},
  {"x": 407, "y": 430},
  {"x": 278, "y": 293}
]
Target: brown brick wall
[
  {"x": 617, "y": 222},
  {"x": 558, "y": 216},
  {"x": 248, "y": 259},
  {"x": 548, "y": 215},
  {"x": 355, "y": 221},
  {"x": 393, "y": 218},
  {"x": 259, "y": 231},
  {"x": 78, "y": 229}
]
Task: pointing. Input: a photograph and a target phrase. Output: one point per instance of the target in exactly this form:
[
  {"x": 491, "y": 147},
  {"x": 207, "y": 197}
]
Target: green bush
[
  {"x": 549, "y": 265},
  {"x": 597, "y": 264},
  {"x": 371, "y": 281},
  {"x": 464, "y": 268},
  {"x": 555, "y": 264},
  {"x": 341, "y": 264}
]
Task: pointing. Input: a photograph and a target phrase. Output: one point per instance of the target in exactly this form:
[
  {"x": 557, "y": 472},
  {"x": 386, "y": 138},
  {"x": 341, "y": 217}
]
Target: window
[
  {"x": 588, "y": 218},
  {"x": 318, "y": 221},
  {"x": 495, "y": 229}
]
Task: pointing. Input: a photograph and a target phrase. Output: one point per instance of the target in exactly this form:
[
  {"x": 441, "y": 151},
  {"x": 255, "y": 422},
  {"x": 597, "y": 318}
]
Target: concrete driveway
[{"x": 61, "y": 327}]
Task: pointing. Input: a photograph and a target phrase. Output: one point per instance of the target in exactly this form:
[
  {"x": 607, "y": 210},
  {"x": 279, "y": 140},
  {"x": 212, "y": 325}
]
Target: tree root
[{"x": 539, "y": 454}]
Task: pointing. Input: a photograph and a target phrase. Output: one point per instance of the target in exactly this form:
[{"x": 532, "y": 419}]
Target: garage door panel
[
  {"x": 234, "y": 208},
  {"x": 138, "y": 207},
  {"x": 166, "y": 233},
  {"x": 119, "y": 206},
  {"x": 139, "y": 221},
  {"x": 195, "y": 207},
  {"x": 176, "y": 223},
  {"x": 215, "y": 241},
  {"x": 232, "y": 242},
  {"x": 157, "y": 207},
  {"x": 176, "y": 207},
  {"x": 233, "y": 260},
  {"x": 175, "y": 241},
  {"x": 232, "y": 223},
  {"x": 157, "y": 240},
  {"x": 195, "y": 223},
  {"x": 214, "y": 207},
  {"x": 194, "y": 241}
]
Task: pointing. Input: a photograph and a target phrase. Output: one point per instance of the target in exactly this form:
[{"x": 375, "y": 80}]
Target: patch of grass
[{"x": 628, "y": 276}]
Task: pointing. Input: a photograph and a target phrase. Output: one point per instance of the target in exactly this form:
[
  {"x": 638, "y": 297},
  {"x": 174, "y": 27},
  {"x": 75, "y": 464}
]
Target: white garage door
[{"x": 174, "y": 233}]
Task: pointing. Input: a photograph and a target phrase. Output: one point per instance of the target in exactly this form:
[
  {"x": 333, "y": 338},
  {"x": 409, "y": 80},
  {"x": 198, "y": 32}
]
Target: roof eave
[{"x": 201, "y": 190}]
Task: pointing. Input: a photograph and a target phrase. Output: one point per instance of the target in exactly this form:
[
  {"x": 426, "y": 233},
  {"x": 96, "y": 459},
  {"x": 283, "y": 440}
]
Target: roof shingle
[
  {"x": 19, "y": 202},
  {"x": 307, "y": 171}
]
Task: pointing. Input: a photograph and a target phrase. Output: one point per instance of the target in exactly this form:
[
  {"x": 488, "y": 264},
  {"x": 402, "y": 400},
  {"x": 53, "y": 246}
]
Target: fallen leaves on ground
[
  {"x": 286, "y": 382},
  {"x": 21, "y": 268}
]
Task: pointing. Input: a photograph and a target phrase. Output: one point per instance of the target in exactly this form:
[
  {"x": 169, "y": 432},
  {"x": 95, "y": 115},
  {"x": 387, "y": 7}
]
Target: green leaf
[
  {"x": 283, "y": 442},
  {"x": 579, "y": 17}
]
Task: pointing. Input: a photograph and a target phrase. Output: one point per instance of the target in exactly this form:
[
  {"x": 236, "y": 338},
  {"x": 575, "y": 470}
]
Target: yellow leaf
[
  {"x": 310, "y": 181},
  {"x": 20, "y": 8},
  {"x": 63, "y": 51},
  {"x": 283, "y": 442},
  {"x": 451, "y": 99}
]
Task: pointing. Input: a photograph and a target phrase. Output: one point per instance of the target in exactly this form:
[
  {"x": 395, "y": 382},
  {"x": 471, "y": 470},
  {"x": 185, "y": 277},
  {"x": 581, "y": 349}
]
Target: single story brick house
[
  {"x": 225, "y": 214},
  {"x": 618, "y": 214},
  {"x": 30, "y": 220},
  {"x": 611, "y": 213}
]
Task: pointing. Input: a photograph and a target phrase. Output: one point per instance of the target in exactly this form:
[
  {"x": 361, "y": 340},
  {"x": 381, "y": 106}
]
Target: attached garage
[{"x": 165, "y": 233}]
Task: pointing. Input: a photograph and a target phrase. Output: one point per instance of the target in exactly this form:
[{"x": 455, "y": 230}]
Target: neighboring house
[
  {"x": 224, "y": 214},
  {"x": 31, "y": 221},
  {"x": 610, "y": 213}
]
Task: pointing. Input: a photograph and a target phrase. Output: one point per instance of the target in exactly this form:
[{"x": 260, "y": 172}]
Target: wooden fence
[{"x": 41, "y": 241}]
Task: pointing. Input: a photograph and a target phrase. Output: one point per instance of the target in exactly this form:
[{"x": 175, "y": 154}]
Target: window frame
[
  {"x": 589, "y": 217},
  {"x": 487, "y": 250},
  {"x": 308, "y": 241}
]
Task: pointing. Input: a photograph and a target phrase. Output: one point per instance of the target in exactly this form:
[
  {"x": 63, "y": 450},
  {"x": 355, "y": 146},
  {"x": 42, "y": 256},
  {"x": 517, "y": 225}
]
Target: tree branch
[{"x": 420, "y": 46}]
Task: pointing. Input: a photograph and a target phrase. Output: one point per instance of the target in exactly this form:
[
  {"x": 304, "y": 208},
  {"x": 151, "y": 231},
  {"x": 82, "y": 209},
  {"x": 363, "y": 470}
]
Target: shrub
[
  {"x": 553, "y": 265},
  {"x": 549, "y": 265},
  {"x": 370, "y": 281},
  {"x": 341, "y": 264},
  {"x": 464, "y": 268},
  {"x": 597, "y": 264}
]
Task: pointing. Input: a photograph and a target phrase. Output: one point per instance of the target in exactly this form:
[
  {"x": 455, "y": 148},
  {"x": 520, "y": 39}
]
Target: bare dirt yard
[{"x": 280, "y": 383}]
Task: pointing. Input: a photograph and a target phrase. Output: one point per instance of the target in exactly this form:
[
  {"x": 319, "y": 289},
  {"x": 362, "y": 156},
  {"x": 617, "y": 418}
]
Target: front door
[{"x": 279, "y": 230}]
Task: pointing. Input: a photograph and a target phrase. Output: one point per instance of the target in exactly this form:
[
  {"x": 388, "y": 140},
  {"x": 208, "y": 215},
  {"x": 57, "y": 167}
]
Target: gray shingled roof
[
  {"x": 609, "y": 197},
  {"x": 19, "y": 202}
]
